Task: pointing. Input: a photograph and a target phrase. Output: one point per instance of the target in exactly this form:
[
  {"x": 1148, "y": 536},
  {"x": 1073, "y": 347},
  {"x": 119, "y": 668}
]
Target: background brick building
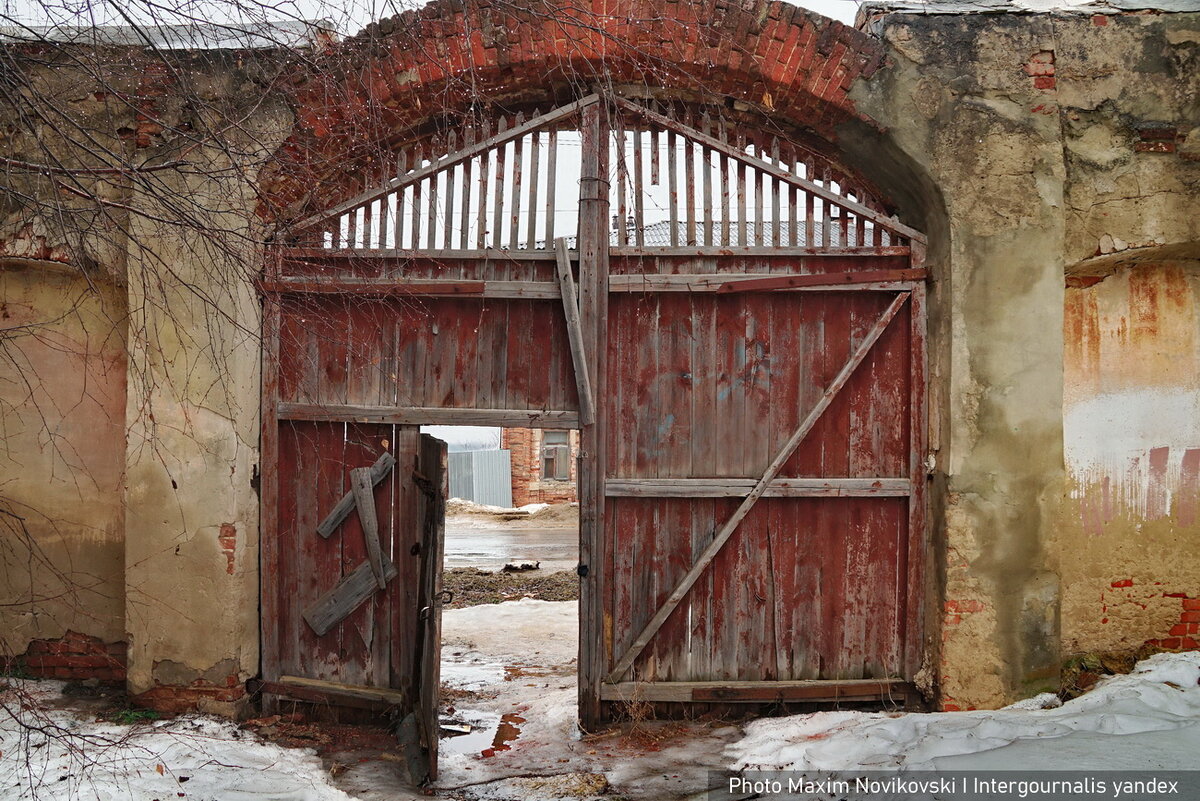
[{"x": 544, "y": 468}]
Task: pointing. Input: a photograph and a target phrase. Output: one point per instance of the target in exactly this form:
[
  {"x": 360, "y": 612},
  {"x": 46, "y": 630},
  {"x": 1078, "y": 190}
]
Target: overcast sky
[{"x": 348, "y": 17}]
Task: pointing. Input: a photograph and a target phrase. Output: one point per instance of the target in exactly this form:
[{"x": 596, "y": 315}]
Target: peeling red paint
[{"x": 228, "y": 541}]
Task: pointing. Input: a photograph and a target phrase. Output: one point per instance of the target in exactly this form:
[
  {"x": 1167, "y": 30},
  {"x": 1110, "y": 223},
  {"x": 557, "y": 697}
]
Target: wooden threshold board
[{"x": 758, "y": 691}]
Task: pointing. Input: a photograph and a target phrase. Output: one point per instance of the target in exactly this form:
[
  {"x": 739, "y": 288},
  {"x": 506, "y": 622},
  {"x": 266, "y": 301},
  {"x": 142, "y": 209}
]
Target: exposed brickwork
[
  {"x": 528, "y": 486},
  {"x": 444, "y": 57},
  {"x": 177, "y": 699},
  {"x": 228, "y": 541},
  {"x": 76, "y": 657},
  {"x": 1186, "y": 633}
]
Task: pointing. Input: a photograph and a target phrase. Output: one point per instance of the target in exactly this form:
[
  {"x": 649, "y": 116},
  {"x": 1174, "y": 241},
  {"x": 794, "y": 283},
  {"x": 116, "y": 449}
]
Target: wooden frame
[{"x": 349, "y": 272}]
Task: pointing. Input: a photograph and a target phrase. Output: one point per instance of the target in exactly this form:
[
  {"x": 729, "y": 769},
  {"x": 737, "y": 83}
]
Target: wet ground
[{"x": 491, "y": 548}]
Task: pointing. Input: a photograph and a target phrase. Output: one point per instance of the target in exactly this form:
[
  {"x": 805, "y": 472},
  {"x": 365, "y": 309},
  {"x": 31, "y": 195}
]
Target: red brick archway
[{"x": 449, "y": 56}]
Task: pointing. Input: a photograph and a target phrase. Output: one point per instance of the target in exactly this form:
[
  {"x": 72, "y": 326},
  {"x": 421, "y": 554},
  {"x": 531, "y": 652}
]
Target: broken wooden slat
[
  {"x": 333, "y": 688},
  {"x": 740, "y": 487},
  {"x": 383, "y": 465},
  {"x": 426, "y": 415},
  {"x": 361, "y": 487},
  {"x": 328, "y": 610},
  {"x": 722, "y": 536},
  {"x": 318, "y": 695},
  {"x": 566, "y": 282}
]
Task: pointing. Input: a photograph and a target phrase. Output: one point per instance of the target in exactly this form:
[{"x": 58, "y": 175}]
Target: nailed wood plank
[
  {"x": 401, "y": 255},
  {"x": 762, "y": 282},
  {"x": 419, "y": 173},
  {"x": 426, "y": 287},
  {"x": 362, "y": 485},
  {"x": 756, "y": 691},
  {"x": 566, "y": 282},
  {"x": 333, "y": 688},
  {"x": 429, "y": 415},
  {"x": 726, "y": 531},
  {"x": 358, "y": 586},
  {"x": 745, "y": 158},
  {"x": 312, "y": 695},
  {"x": 383, "y": 465},
  {"x": 779, "y": 488}
]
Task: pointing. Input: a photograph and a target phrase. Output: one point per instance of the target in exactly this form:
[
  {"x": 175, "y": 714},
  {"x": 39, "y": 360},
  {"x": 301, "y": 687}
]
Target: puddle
[
  {"x": 490, "y": 733},
  {"x": 474, "y": 674}
]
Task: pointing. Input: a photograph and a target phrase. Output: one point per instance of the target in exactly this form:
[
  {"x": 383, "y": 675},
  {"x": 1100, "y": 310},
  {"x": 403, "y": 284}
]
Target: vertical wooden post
[
  {"x": 593, "y": 291},
  {"x": 268, "y": 534}
]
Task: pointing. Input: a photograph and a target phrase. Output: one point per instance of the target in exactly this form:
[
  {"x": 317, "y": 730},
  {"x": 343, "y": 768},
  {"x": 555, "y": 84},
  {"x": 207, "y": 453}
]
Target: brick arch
[{"x": 453, "y": 55}]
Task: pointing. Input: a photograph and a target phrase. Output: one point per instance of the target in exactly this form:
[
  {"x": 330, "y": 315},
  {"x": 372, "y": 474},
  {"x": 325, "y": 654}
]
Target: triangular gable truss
[{"x": 800, "y": 214}]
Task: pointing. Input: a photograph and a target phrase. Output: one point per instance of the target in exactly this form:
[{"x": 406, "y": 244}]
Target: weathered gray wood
[
  {"x": 726, "y": 531},
  {"x": 514, "y": 237},
  {"x": 383, "y": 465},
  {"x": 498, "y": 190},
  {"x": 448, "y": 219},
  {"x": 534, "y": 157},
  {"x": 764, "y": 282},
  {"x": 570, "y": 300},
  {"x": 333, "y": 688},
  {"x": 425, "y": 415},
  {"x": 401, "y": 254},
  {"x": 639, "y": 210},
  {"x": 420, "y": 173},
  {"x": 429, "y": 287},
  {"x": 672, "y": 189},
  {"x": 781, "y": 252},
  {"x": 756, "y": 691},
  {"x": 740, "y": 487},
  {"x": 361, "y": 487},
  {"x": 346, "y": 596},
  {"x": 435, "y": 486},
  {"x": 783, "y": 175},
  {"x": 551, "y": 174}
]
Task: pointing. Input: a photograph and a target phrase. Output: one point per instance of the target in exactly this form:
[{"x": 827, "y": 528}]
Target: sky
[{"x": 347, "y": 17}]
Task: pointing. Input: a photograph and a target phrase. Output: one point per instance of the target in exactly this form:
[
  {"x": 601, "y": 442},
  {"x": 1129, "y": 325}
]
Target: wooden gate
[{"x": 741, "y": 343}]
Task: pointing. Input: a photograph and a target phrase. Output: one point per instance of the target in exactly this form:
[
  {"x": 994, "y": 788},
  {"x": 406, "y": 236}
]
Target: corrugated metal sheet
[{"x": 482, "y": 476}]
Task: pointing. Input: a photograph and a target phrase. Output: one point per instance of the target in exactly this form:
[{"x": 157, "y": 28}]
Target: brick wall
[
  {"x": 528, "y": 486},
  {"x": 74, "y": 656}
]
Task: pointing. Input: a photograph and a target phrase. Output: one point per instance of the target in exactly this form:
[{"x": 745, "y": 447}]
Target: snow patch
[{"x": 1162, "y": 694}]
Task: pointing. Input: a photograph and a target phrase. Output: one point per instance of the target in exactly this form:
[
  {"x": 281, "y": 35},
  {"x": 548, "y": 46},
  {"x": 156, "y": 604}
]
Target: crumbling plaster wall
[
  {"x": 994, "y": 109},
  {"x": 180, "y": 247}
]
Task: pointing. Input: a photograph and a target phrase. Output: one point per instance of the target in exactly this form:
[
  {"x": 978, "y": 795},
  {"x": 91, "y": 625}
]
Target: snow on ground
[
  {"x": 528, "y": 630},
  {"x": 69, "y": 756},
  {"x": 1147, "y": 719}
]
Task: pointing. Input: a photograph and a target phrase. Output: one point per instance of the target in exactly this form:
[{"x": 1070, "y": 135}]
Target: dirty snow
[
  {"x": 1150, "y": 718},
  {"x": 74, "y": 757}
]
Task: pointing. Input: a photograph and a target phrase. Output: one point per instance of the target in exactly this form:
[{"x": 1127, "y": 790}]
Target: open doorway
[{"x": 510, "y": 606}]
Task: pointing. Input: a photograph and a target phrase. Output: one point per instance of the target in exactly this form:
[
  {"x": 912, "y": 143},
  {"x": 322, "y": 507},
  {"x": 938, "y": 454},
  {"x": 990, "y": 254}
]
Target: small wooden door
[{"x": 352, "y": 576}]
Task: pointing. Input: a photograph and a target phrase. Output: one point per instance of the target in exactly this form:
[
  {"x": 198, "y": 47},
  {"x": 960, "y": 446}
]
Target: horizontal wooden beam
[
  {"x": 423, "y": 287},
  {"x": 874, "y": 280},
  {"x": 741, "y": 487},
  {"x": 427, "y": 415},
  {"x": 318, "y": 696},
  {"x": 757, "y": 691},
  {"x": 384, "y": 255},
  {"x": 631, "y": 251}
]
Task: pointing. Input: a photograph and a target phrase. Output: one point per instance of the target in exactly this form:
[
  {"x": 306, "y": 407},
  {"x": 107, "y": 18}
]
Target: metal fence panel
[{"x": 482, "y": 476}]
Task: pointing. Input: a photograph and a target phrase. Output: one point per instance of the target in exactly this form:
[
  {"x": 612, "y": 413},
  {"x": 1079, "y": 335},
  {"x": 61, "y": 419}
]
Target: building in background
[{"x": 543, "y": 464}]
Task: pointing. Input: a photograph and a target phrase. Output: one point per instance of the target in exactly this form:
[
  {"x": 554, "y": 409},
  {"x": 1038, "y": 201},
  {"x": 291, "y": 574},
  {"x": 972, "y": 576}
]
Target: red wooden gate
[{"x": 748, "y": 375}]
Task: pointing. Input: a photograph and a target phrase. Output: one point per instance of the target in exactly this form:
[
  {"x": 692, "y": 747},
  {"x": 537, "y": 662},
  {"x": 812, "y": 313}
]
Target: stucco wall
[
  {"x": 1033, "y": 129},
  {"x": 62, "y": 443}
]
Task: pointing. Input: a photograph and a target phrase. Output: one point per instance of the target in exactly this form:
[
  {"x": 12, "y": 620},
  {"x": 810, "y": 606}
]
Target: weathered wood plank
[
  {"x": 566, "y": 282},
  {"x": 315, "y": 695},
  {"x": 336, "y": 689},
  {"x": 383, "y": 465},
  {"x": 346, "y": 596},
  {"x": 426, "y": 287},
  {"x": 807, "y": 252},
  {"x": 426, "y": 415},
  {"x": 362, "y": 484},
  {"x": 763, "y": 282},
  {"x": 757, "y": 691},
  {"x": 727, "y": 529},
  {"x": 736, "y": 488}
]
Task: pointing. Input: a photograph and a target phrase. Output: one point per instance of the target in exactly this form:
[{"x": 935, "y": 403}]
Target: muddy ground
[{"x": 472, "y": 587}]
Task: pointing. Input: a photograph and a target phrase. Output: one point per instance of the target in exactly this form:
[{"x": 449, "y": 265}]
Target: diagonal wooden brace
[
  {"x": 566, "y": 284},
  {"x": 362, "y": 487},
  {"x": 721, "y": 537},
  {"x": 383, "y": 465}
]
